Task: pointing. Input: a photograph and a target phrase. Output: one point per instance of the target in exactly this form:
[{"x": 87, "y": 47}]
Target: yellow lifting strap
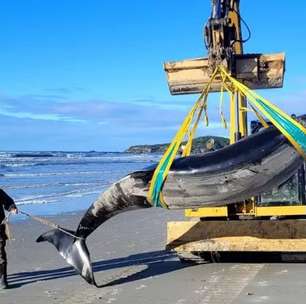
[
  {"x": 223, "y": 120},
  {"x": 289, "y": 127},
  {"x": 163, "y": 167}
]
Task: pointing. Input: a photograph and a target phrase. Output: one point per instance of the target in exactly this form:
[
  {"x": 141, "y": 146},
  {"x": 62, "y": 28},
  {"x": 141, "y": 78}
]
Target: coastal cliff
[{"x": 200, "y": 145}]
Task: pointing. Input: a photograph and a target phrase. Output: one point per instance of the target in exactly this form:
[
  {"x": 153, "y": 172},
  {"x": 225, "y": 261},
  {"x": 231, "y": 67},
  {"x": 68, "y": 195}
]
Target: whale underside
[{"x": 232, "y": 174}]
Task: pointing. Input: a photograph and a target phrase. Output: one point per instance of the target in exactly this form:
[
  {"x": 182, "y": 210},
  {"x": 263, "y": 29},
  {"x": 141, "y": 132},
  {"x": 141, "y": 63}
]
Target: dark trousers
[{"x": 3, "y": 258}]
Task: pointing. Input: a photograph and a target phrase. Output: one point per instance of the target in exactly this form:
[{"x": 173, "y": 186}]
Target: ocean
[{"x": 50, "y": 183}]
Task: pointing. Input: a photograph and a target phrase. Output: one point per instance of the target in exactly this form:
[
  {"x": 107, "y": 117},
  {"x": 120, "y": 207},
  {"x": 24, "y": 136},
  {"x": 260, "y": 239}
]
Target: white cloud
[
  {"x": 50, "y": 117},
  {"x": 40, "y": 123}
]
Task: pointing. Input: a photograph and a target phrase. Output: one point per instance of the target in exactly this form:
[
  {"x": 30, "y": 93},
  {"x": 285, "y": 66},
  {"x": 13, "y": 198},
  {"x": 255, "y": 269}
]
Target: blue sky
[{"x": 87, "y": 75}]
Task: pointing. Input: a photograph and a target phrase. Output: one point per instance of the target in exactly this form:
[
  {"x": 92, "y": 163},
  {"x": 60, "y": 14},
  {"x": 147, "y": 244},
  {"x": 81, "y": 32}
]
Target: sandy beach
[{"x": 132, "y": 266}]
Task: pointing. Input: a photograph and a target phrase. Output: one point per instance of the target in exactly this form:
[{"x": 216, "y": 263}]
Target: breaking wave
[{"x": 43, "y": 178}]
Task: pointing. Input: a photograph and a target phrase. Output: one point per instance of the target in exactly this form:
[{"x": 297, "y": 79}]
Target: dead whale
[{"x": 237, "y": 172}]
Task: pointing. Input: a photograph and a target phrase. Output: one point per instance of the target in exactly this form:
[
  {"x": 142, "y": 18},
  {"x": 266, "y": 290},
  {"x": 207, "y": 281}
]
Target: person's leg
[{"x": 3, "y": 266}]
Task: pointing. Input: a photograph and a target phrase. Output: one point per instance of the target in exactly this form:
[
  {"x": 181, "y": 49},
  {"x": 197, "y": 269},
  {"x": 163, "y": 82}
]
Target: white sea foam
[
  {"x": 33, "y": 178},
  {"x": 44, "y": 174},
  {"x": 43, "y": 199},
  {"x": 56, "y": 184}
]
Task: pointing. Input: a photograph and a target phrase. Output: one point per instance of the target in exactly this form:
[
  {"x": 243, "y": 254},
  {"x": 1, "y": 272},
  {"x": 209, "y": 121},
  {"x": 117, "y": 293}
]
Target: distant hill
[{"x": 199, "y": 145}]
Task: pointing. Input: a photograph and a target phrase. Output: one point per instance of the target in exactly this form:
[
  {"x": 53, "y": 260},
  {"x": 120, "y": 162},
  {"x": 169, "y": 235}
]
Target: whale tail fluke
[{"x": 73, "y": 249}]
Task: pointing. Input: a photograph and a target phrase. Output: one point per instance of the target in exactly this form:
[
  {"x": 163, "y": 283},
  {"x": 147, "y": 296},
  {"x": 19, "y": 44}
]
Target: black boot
[{"x": 3, "y": 276}]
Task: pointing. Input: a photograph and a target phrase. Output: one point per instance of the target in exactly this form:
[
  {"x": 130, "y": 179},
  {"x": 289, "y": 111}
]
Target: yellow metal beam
[
  {"x": 257, "y": 212},
  {"x": 280, "y": 210},
  {"x": 235, "y": 20},
  {"x": 238, "y": 49},
  {"x": 207, "y": 212},
  {"x": 243, "y": 121},
  {"x": 233, "y": 118}
]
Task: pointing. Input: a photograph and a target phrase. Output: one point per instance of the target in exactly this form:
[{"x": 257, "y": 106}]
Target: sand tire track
[{"x": 223, "y": 287}]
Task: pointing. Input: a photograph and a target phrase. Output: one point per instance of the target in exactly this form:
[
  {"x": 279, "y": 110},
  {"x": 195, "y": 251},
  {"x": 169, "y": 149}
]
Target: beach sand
[{"x": 128, "y": 252}]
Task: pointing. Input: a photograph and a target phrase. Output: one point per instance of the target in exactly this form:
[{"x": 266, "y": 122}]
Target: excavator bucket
[{"x": 256, "y": 71}]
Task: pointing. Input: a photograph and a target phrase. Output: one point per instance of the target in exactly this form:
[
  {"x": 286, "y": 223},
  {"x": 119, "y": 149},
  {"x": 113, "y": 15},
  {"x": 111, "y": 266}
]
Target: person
[
  {"x": 7, "y": 203},
  {"x": 210, "y": 145}
]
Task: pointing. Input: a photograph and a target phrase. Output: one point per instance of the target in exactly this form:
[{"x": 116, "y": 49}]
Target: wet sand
[{"x": 130, "y": 261}]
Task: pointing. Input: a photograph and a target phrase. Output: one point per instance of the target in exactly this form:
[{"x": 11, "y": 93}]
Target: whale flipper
[{"x": 73, "y": 249}]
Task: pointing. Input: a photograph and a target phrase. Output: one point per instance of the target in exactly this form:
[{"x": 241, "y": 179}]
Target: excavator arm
[
  {"x": 224, "y": 43},
  {"x": 222, "y": 34}
]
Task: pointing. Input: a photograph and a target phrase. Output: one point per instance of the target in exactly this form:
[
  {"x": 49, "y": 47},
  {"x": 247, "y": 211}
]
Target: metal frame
[
  {"x": 221, "y": 228},
  {"x": 238, "y": 129}
]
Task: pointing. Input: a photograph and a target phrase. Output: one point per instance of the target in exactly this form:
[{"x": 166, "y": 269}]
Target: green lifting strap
[{"x": 290, "y": 128}]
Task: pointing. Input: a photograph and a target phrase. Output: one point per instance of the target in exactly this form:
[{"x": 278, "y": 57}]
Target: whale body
[{"x": 229, "y": 175}]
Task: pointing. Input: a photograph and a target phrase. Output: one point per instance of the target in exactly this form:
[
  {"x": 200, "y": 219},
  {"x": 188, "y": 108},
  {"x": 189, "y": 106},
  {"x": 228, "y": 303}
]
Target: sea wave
[
  {"x": 53, "y": 197},
  {"x": 15, "y": 163},
  {"x": 69, "y": 155},
  {"x": 33, "y": 178},
  {"x": 44, "y": 174},
  {"x": 55, "y": 184}
]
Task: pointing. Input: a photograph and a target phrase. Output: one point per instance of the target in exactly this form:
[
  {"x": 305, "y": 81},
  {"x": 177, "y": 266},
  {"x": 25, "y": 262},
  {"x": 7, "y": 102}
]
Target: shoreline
[
  {"x": 20, "y": 218},
  {"x": 70, "y": 205},
  {"x": 38, "y": 274},
  {"x": 129, "y": 259}
]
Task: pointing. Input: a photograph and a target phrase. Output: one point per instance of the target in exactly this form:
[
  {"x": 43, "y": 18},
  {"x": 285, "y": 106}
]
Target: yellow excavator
[{"x": 271, "y": 223}]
